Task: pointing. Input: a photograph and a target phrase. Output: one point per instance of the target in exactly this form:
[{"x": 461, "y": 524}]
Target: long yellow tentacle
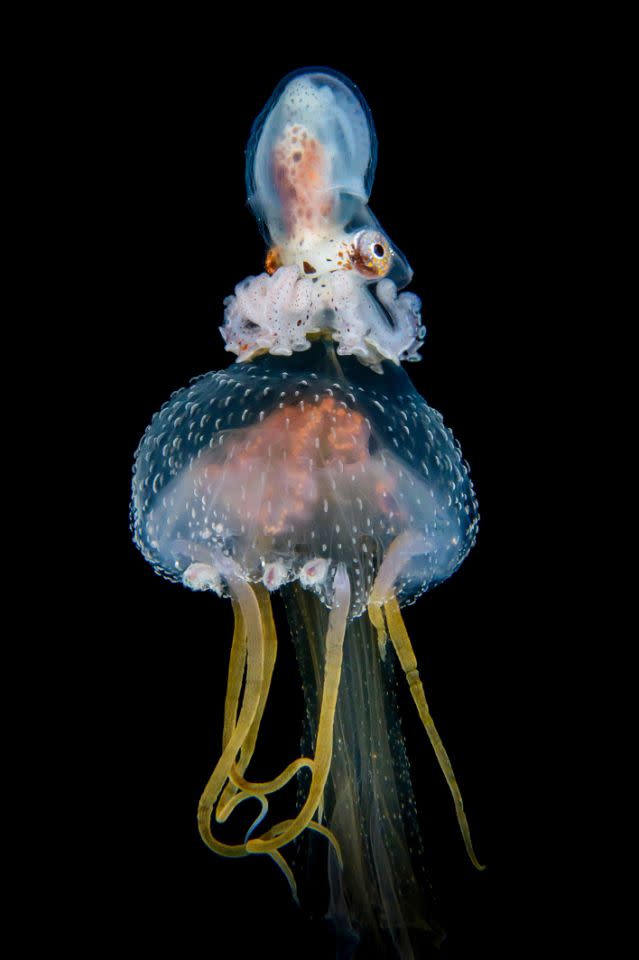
[
  {"x": 277, "y": 858},
  {"x": 284, "y": 832},
  {"x": 230, "y": 798},
  {"x": 226, "y": 802},
  {"x": 313, "y": 825},
  {"x": 271, "y": 786},
  {"x": 377, "y": 619},
  {"x": 406, "y": 656},
  {"x": 252, "y": 660},
  {"x": 245, "y": 596},
  {"x": 270, "y": 655},
  {"x": 237, "y": 663}
]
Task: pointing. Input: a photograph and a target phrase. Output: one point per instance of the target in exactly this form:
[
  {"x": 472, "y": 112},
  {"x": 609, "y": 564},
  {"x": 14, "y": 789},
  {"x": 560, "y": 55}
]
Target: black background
[{"x": 462, "y": 188}]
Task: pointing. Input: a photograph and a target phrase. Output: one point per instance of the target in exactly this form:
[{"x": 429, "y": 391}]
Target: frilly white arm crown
[{"x": 310, "y": 165}]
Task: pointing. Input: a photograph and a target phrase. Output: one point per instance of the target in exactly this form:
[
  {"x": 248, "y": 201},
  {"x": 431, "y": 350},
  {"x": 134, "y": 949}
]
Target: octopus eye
[{"x": 372, "y": 254}]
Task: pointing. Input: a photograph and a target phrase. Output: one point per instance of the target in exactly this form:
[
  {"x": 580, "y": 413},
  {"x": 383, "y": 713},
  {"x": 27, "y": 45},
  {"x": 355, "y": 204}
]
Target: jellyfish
[{"x": 312, "y": 469}]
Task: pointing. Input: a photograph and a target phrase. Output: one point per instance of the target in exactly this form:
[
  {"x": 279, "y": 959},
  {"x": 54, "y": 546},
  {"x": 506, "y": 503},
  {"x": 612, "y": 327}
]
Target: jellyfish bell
[
  {"x": 312, "y": 468},
  {"x": 286, "y": 467}
]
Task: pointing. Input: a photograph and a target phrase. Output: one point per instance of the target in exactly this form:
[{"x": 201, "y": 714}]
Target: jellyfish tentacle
[
  {"x": 248, "y": 746},
  {"x": 244, "y": 789},
  {"x": 408, "y": 544},
  {"x": 277, "y": 858},
  {"x": 261, "y": 815},
  {"x": 231, "y": 798},
  {"x": 234, "y": 803},
  {"x": 332, "y": 839},
  {"x": 245, "y": 596},
  {"x": 411, "y": 543},
  {"x": 271, "y": 786},
  {"x": 249, "y": 790},
  {"x": 376, "y": 616},
  {"x": 313, "y": 825},
  {"x": 408, "y": 661},
  {"x": 237, "y": 665},
  {"x": 270, "y": 656},
  {"x": 282, "y": 834}
]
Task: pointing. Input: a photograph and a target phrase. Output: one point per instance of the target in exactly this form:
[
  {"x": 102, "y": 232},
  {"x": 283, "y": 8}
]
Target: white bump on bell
[
  {"x": 275, "y": 574},
  {"x": 202, "y": 576},
  {"x": 313, "y": 572}
]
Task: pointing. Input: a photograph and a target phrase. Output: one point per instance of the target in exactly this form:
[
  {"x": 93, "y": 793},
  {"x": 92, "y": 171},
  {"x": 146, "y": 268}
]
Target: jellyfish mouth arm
[
  {"x": 286, "y": 831},
  {"x": 383, "y": 606}
]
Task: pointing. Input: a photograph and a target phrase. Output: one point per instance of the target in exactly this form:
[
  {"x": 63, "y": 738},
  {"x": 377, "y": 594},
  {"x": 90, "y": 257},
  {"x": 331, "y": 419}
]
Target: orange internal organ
[
  {"x": 301, "y": 182},
  {"x": 278, "y": 471}
]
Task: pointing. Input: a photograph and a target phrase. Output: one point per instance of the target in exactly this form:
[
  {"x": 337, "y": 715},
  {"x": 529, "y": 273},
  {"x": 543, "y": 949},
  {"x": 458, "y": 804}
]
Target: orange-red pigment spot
[{"x": 273, "y": 260}]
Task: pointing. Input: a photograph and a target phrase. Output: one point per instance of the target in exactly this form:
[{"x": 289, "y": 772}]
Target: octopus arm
[
  {"x": 269, "y": 313},
  {"x": 404, "y": 339},
  {"x": 277, "y": 314}
]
